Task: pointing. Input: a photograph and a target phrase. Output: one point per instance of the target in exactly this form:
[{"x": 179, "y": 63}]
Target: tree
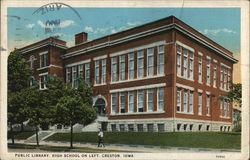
[
  {"x": 76, "y": 107},
  {"x": 18, "y": 78},
  {"x": 235, "y": 94}
]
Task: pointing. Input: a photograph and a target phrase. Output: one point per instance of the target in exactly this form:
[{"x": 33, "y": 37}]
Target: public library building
[{"x": 160, "y": 76}]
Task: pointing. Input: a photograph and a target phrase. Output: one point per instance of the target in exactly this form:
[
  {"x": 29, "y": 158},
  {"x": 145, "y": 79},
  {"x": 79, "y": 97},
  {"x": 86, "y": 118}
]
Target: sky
[{"x": 28, "y": 25}]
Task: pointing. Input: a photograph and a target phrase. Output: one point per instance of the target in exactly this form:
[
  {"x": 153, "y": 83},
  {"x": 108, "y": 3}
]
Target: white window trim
[
  {"x": 185, "y": 46},
  {"x": 152, "y": 99},
  {"x": 100, "y": 57},
  {"x": 133, "y": 60},
  {"x": 40, "y": 75},
  {"x": 138, "y": 63},
  {"x": 158, "y": 63},
  {"x": 138, "y": 88},
  {"x": 148, "y": 55},
  {"x": 41, "y": 53},
  {"x": 184, "y": 86},
  {"x": 133, "y": 93},
  {"x": 78, "y": 63},
  {"x": 157, "y": 98}
]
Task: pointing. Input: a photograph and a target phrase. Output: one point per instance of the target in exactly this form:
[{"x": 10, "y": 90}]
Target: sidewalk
[{"x": 131, "y": 148}]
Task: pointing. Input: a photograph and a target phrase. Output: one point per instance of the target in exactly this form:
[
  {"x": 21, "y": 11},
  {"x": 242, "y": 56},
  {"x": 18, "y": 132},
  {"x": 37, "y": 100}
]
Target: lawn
[
  {"x": 222, "y": 140},
  {"x": 21, "y": 135}
]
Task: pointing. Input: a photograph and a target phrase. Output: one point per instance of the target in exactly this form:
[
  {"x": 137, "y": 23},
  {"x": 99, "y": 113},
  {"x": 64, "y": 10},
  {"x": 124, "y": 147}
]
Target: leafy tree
[
  {"x": 235, "y": 94},
  {"x": 18, "y": 78},
  {"x": 76, "y": 107}
]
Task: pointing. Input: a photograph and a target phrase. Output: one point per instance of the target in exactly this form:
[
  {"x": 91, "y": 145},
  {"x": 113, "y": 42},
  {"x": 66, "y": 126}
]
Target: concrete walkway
[{"x": 132, "y": 148}]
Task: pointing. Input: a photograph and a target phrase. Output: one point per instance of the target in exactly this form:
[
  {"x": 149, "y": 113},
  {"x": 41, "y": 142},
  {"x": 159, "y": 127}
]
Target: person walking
[{"x": 100, "y": 138}]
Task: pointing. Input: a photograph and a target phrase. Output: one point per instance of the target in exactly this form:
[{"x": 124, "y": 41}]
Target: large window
[
  {"x": 97, "y": 72},
  {"x": 140, "y": 100},
  {"x": 208, "y": 105},
  {"x": 87, "y": 73},
  {"x": 74, "y": 79},
  {"x": 208, "y": 70},
  {"x": 200, "y": 69},
  {"x": 185, "y": 63},
  {"x": 131, "y": 65},
  {"x": 80, "y": 71},
  {"x": 122, "y": 102},
  {"x": 178, "y": 99},
  {"x": 160, "y": 60},
  {"x": 43, "y": 60},
  {"x": 185, "y": 100},
  {"x": 214, "y": 74},
  {"x": 140, "y": 60},
  {"x": 114, "y": 69},
  {"x": 103, "y": 81},
  {"x": 225, "y": 77},
  {"x": 200, "y": 104},
  {"x": 150, "y": 99},
  {"x": 224, "y": 107},
  {"x": 160, "y": 99},
  {"x": 179, "y": 60},
  {"x": 131, "y": 101},
  {"x": 114, "y": 102},
  {"x": 191, "y": 65},
  {"x": 68, "y": 74},
  {"x": 150, "y": 66},
  {"x": 43, "y": 80},
  {"x": 191, "y": 102},
  {"x": 122, "y": 67},
  {"x": 31, "y": 60}
]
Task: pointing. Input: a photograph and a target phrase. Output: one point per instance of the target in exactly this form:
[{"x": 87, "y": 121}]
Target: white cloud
[
  {"x": 30, "y": 25},
  {"x": 133, "y": 23},
  {"x": 41, "y": 24},
  {"x": 89, "y": 29},
  {"x": 215, "y": 32},
  {"x": 66, "y": 23}
]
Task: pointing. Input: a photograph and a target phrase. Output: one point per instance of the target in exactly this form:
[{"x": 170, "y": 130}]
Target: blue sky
[{"x": 25, "y": 27}]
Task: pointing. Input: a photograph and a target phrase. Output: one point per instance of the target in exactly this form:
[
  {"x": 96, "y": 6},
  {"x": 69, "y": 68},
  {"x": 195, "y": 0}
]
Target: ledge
[{"x": 136, "y": 113}]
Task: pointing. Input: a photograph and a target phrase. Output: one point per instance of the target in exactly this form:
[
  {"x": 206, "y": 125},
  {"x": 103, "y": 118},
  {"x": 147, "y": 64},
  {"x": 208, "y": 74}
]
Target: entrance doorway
[{"x": 100, "y": 105}]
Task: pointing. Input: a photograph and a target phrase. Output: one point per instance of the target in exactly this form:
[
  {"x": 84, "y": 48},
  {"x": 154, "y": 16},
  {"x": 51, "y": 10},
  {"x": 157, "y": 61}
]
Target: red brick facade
[{"x": 170, "y": 34}]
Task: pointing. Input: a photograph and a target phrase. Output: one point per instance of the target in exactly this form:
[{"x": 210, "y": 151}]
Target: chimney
[{"x": 81, "y": 37}]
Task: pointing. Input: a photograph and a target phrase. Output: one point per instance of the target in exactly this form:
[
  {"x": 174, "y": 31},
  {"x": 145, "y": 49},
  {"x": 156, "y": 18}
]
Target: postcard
[{"x": 124, "y": 80}]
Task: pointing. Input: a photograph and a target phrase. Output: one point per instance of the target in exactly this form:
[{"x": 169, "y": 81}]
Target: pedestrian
[{"x": 100, "y": 138}]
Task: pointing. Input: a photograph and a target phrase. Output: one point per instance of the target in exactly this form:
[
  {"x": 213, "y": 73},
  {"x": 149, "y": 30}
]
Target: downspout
[{"x": 174, "y": 83}]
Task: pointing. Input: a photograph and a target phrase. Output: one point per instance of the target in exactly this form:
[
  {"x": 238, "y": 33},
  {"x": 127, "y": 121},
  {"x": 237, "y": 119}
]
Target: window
[
  {"x": 160, "y": 99},
  {"x": 114, "y": 69},
  {"x": 150, "y": 99},
  {"x": 114, "y": 103},
  {"x": 97, "y": 72},
  {"x": 32, "y": 81},
  {"x": 131, "y": 101},
  {"x": 191, "y": 127},
  {"x": 122, "y": 102},
  {"x": 178, "y": 99},
  {"x": 185, "y": 63},
  {"x": 200, "y": 69},
  {"x": 31, "y": 60},
  {"x": 113, "y": 127},
  {"x": 122, "y": 67},
  {"x": 221, "y": 107},
  {"x": 87, "y": 73},
  {"x": 103, "y": 81},
  {"x": 131, "y": 65},
  {"x": 208, "y": 105},
  {"x": 208, "y": 70},
  {"x": 224, "y": 107},
  {"x": 225, "y": 78},
  {"x": 161, "y": 127},
  {"x": 43, "y": 60},
  {"x": 200, "y": 127},
  {"x": 130, "y": 127},
  {"x": 208, "y": 127},
  {"x": 221, "y": 77},
  {"x": 160, "y": 60},
  {"x": 214, "y": 75},
  {"x": 191, "y": 65},
  {"x": 178, "y": 127},
  {"x": 191, "y": 101},
  {"x": 185, "y": 100},
  {"x": 43, "y": 80},
  {"x": 179, "y": 60},
  {"x": 68, "y": 74},
  {"x": 150, "y": 65},
  {"x": 140, "y": 61},
  {"x": 150, "y": 127},
  {"x": 200, "y": 104},
  {"x": 80, "y": 71},
  {"x": 185, "y": 127},
  {"x": 229, "y": 80},
  {"x": 122, "y": 127},
  {"x": 139, "y": 127},
  {"x": 74, "y": 75},
  {"x": 140, "y": 100}
]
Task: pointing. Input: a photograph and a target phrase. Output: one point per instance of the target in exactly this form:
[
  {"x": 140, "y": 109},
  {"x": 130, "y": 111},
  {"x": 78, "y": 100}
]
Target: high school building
[{"x": 161, "y": 76}]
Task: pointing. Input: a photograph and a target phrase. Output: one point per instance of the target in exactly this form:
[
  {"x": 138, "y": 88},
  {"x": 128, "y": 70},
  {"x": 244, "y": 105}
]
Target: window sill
[
  {"x": 225, "y": 117},
  {"x": 225, "y": 90},
  {"x": 190, "y": 79},
  {"x": 42, "y": 68},
  {"x": 136, "y": 113},
  {"x": 143, "y": 78},
  {"x": 185, "y": 113},
  {"x": 96, "y": 85}
]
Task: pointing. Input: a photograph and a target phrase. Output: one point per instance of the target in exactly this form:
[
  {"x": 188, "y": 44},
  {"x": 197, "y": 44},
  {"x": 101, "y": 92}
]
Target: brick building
[{"x": 160, "y": 76}]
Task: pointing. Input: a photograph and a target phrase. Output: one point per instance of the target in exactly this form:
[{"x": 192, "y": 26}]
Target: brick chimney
[{"x": 81, "y": 37}]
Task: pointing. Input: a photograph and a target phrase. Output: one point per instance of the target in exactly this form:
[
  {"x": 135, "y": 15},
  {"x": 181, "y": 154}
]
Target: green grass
[
  {"x": 222, "y": 140},
  {"x": 21, "y": 135},
  {"x": 61, "y": 148}
]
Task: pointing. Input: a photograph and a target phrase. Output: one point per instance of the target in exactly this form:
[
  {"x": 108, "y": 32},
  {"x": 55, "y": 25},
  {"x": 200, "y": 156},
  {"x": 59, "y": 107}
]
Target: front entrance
[{"x": 100, "y": 105}]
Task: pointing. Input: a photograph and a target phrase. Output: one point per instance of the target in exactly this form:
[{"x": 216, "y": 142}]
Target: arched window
[{"x": 32, "y": 59}]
